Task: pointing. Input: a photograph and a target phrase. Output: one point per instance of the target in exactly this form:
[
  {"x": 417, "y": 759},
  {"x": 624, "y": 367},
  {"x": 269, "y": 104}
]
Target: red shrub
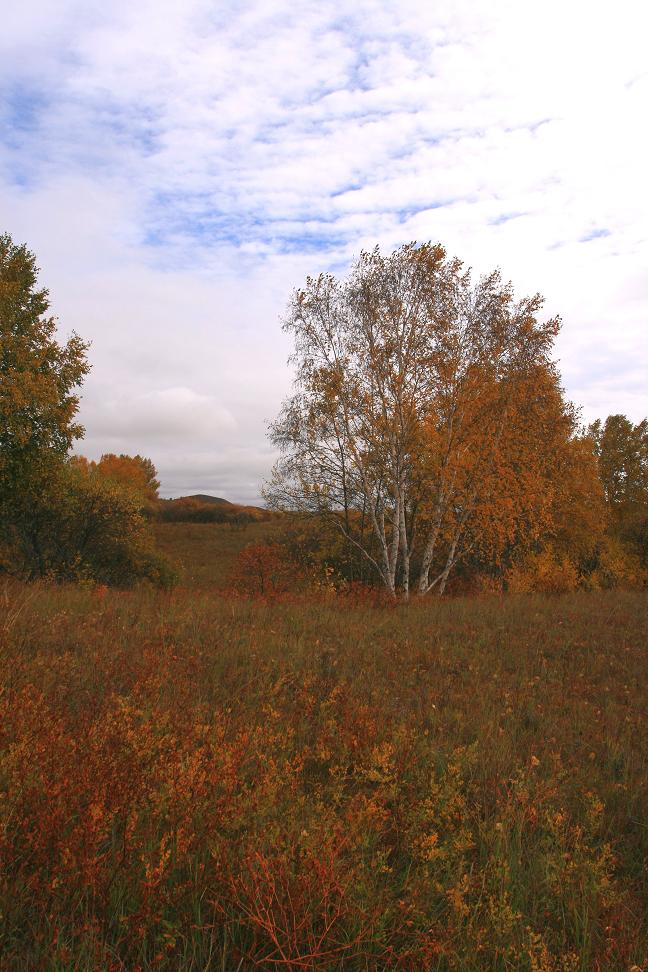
[{"x": 264, "y": 570}]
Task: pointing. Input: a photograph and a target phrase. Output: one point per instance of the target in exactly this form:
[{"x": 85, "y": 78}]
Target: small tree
[
  {"x": 424, "y": 416},
  {"x": 622, "y": 451},
  {"x": 264, "y": 570},
  {"x": 38, "y": 378}
]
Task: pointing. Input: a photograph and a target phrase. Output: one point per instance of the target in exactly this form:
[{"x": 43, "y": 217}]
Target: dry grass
[
  {"x": 204, "y": 553},
  {"x": 190, "y": 782}
]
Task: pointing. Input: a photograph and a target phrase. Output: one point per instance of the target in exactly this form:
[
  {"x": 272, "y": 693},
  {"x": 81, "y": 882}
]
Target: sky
[{"x": 180, "y": 166}]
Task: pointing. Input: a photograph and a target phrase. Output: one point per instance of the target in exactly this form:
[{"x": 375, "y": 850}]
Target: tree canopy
[
  {"x": 427, "y": 421},
  {"x": 622, "y": 451},
  {"x": 38, "y": 375},
  {"x": 134, "y": 473}
]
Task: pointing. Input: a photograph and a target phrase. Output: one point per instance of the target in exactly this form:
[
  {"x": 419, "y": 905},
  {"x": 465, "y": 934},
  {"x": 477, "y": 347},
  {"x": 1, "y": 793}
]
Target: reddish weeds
[{"x": 193, "y": 782}]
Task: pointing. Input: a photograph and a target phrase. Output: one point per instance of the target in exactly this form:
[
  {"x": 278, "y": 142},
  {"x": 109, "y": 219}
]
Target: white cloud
[
  {"x": 179, "y": 167},
  {"x": 169, "y": 415}
]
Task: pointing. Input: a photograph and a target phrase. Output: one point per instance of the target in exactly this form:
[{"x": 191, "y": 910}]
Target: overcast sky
[{"x": 179, "y": 166}]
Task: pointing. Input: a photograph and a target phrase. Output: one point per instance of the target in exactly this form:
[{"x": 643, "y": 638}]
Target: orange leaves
[
  {"x": 133, "y": 472},
  {"x": 425, "y": 419}
]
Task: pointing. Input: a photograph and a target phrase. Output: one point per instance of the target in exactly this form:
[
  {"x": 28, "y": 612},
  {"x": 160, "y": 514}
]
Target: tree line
[{"x": 427, "y": 441}]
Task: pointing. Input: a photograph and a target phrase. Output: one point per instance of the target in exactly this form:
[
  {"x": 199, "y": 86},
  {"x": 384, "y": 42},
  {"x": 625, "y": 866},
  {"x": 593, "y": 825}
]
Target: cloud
[
  {"x": 166, "y": 415},
  {"x": 179, "y": 167}
]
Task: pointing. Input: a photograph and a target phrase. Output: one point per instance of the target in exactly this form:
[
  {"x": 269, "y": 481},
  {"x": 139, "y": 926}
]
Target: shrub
[
  {"x": 71, "y": 523},
  {"x": 546, "y": 572},
  {"x": 265, "y": 570},
  {"x": 615, "y": 566},
  {"x": 190, "y": 509}
]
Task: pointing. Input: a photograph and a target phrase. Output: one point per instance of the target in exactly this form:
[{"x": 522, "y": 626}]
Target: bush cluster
[
  {"x": 189, "y": 510},
  {"x": 70, "y": 522}
]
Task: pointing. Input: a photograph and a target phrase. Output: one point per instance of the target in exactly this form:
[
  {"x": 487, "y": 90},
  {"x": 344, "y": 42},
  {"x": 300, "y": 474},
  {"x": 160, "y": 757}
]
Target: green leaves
[{"x": 38, "y": 376}]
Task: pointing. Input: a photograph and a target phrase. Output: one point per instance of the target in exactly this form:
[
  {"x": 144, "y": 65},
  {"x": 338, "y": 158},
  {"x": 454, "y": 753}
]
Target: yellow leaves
[
  {"x": 155, "y": 869},
  {"x": 428, "y": 847},
  {"x": 595, "y": 808},
  {"x": 548, "y": 572},
  {"x": 132, "y": 472},
  {"x": 323, "y": 752},
  {"x": 457, "y": 897},
  {"x": 382, "y": 766},
  {"x": 424, "y": 401},
  {"x": 542, "y": 960}
]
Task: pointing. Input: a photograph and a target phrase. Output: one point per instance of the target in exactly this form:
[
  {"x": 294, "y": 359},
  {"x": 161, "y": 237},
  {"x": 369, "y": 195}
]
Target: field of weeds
[
  {"x": 204, "y": 553},
  {"x": 194, "y": 782}
]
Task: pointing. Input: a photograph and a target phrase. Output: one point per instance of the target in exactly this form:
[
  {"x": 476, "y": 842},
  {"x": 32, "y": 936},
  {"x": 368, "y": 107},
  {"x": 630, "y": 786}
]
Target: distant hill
[{"x": 202, "y": 508}]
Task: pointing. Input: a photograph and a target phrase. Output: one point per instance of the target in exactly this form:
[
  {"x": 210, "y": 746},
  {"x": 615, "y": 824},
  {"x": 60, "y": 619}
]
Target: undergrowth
[{"x": 200, "y": 782}]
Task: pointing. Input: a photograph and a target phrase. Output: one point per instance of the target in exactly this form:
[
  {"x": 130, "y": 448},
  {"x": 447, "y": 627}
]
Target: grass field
[
  {"x": 190, "y": 781},
  {"x": 204, "y": 553}
]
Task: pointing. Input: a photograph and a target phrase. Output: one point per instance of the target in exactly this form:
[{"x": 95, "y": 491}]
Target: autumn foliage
[
  {"x": 193, "y": 782},
  {"x": 427, "y": 447},
  {"x": 76, "y": 522},
  {"x": 61, "y": 516},
  {"x": 427, "y": 424},
  {"x": 205, "y": 509},
  {"x": 264, "y": 570},
  {"x": 135, "y": 473}
]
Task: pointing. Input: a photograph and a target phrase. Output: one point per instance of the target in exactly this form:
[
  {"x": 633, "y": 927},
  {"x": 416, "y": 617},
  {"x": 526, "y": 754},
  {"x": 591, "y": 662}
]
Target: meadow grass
[
  {"x": 194, "y": 781},
  {"x": 204, "y": 553}
]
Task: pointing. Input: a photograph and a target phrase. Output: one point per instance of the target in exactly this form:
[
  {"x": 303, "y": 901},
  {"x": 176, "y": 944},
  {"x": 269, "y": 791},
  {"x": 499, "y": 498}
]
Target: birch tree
[{"x": 407, "y": 402}]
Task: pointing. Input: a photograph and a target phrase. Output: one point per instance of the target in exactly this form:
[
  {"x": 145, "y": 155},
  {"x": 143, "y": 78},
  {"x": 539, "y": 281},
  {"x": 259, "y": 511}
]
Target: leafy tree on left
[
  {"x": 38, "y": 376},
  {"x": 58, "y": 518}
]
